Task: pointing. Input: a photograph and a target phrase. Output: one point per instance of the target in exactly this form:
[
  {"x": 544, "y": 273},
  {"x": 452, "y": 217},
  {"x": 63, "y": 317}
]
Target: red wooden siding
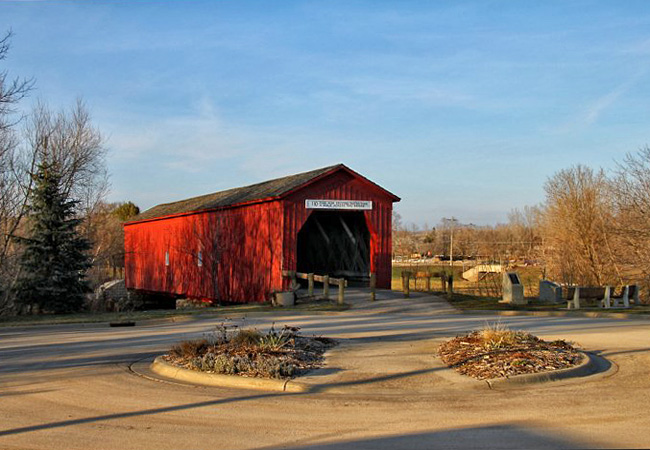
[
  {"x": 254, "y": 242},
  {"x": 343, "y": 186},
  {"x": 246, "y": 261}
]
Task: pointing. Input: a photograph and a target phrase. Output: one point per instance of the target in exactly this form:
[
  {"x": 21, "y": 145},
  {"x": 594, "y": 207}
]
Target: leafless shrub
[{"x": 189, "y": 349}]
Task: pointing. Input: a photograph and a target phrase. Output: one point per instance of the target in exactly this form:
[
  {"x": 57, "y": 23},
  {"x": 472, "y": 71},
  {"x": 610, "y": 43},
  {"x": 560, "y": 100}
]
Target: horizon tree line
[{"x": 593, "y": 228}]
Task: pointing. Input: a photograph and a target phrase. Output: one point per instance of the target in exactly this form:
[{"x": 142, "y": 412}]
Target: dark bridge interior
[{"x": 335, "y": 243}]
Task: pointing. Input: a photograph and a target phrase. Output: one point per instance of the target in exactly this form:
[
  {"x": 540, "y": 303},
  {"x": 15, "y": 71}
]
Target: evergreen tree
[
  {"x": 126, "y": 211},
  {"x": 55, "y": 259}
]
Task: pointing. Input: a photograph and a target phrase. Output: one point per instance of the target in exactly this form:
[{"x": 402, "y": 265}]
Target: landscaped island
[
  {"x": 251, "y": 353},
  {"x": 497, "y": 352}
]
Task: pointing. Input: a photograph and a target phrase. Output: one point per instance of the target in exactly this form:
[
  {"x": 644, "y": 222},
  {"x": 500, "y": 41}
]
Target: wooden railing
[
  {"x": 327, "y": 281},
  {"x": 446, "y": 280},
  {"x": 312, "y": 278}
]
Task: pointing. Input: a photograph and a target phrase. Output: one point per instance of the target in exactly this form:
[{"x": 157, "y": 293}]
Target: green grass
[
  {"x": 643, "y": 309},
  {"x": 89, "y": 317},
  {"x": 476, "y": 303},
  {"x": 529, "y": 276}
]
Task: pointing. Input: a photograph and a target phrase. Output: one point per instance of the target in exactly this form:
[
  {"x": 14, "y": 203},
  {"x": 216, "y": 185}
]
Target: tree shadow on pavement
[
  {"x": 313, "y": 390},
  {"x": 508, "y": 436}
]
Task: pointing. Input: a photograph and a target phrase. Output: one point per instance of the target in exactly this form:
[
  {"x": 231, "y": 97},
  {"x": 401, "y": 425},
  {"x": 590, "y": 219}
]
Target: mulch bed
[
  {"x": 470, "y": 355},
  {"x": 300, "y": 355}
]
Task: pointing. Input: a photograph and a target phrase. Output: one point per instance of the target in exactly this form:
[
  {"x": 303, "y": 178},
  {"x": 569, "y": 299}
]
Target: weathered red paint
[{"x": 256, "y": 241}]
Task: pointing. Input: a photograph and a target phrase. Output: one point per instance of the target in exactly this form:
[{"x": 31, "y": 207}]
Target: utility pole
[
  {"x": 451, "y": 248},
  {"x": 452, "y": 222}
]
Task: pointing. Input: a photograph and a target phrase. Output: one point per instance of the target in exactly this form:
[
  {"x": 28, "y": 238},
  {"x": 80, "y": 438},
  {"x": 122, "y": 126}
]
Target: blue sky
[{"x": 461, "y": 108}]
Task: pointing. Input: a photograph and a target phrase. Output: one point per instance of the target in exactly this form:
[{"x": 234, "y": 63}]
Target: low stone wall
[{"x": 113, "y": 296}]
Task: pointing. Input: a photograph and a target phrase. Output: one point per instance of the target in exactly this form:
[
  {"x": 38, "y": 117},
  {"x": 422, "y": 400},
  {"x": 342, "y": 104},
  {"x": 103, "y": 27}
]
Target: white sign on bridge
[{"x": 364, "y": 205}]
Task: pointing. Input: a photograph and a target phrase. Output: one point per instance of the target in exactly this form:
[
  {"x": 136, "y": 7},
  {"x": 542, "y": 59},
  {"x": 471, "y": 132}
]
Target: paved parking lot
[{"x": 71, "y": 386}]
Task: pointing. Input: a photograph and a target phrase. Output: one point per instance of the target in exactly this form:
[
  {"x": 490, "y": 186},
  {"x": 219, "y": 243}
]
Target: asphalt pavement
[{"x": 86, "y": 386}]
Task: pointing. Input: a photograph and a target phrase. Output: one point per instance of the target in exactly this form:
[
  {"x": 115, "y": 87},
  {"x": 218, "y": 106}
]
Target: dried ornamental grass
[{"x": 497, "y": 335}]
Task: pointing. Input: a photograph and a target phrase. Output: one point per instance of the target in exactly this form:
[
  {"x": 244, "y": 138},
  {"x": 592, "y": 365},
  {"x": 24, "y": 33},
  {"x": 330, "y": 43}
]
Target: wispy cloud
[
  {"x": 591, "y": 112},
  {"x": 184, "y": 142},
  {"x": 639, "y": 48},
  {"x": 594, "y": 110},
  {"x": 402, "y": 89}
]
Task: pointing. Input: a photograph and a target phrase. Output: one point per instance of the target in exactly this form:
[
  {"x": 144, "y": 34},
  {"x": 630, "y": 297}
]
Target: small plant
[
  {"x": 246, "y": 338},
  {"x": 190, "y": 349},
  {"x": 496, "y": 336},
  {"x": 274, "y": 341},
  {"x": 219, "y": 336}
]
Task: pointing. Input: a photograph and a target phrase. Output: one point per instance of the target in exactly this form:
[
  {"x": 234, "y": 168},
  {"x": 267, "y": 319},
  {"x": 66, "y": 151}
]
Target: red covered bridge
[{"x": 233, "y": 245}]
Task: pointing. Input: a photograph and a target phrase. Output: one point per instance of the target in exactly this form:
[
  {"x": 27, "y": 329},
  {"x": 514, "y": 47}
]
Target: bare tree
[
  {"x": 577, "y": 228},
  {"x": 13, "y": 197},
  {"x": 630, "y": 197},
  {"x": 65, "y": 139},
  {"x": 523, "y": 227},
  {"x": 69, "y": 141},
  {"x": 403, "y": 244},
  {"x": 11, "y": 90}
]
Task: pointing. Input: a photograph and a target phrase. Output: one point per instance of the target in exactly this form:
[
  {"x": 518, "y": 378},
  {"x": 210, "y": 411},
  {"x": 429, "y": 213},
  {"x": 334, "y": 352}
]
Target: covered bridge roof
[{"x": 267, "y": 190}]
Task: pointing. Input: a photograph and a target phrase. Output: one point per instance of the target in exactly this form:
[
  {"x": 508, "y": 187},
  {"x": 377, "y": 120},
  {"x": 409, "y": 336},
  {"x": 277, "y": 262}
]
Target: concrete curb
[
  {"x": 587, "y": 314},
  {"x": 163, "y": 368},
  {"x": 586, "y": 367},
  {"x": 591, "y": 365}
]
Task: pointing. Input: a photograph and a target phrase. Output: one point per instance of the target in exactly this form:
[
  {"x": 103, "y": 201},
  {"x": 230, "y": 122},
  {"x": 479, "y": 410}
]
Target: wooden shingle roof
[
  {"x": 266, "y": 190},
  {"x": 245, "y": 194}
]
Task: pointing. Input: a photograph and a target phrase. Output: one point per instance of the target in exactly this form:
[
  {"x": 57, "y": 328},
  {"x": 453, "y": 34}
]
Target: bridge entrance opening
[{"x": 335, "y": 243}]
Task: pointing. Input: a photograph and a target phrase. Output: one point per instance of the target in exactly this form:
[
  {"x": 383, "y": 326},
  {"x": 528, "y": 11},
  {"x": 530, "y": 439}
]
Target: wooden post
[
  {"x": 443, "y": 281},
  {"x": 450, "y": 285},
  {"x": 428, "y": 282},
  {"x": 292, "y": 277},
  {"x": 310, "y": 284},
  {"x": 326, "y": 287},
  {"x": 373, "y": 286},
  {"x": 341, "y": 298},
  {"x": 406, "y": 284},
  {"x": 607, "y": 303}
]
